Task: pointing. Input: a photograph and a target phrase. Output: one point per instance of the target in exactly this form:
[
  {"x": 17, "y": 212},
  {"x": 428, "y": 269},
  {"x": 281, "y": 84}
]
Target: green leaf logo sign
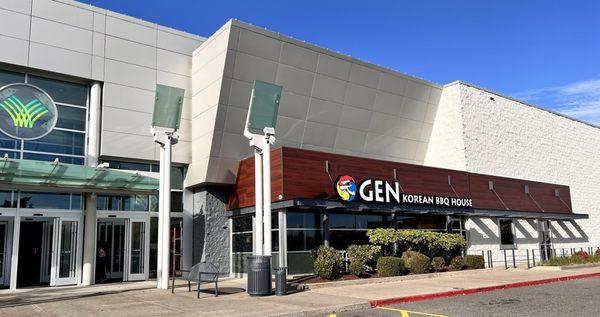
[
  {"x": 26, "y": 112},
  {"x": 23, "y": 115}
]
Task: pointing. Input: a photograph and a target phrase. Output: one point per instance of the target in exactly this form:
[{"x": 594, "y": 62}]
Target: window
[
  {"x": 507, "y": 236},
  {"x": 241, "y": 240},
  {"x": 348, "y": 228},
  {"x": 457, "y": 225}
]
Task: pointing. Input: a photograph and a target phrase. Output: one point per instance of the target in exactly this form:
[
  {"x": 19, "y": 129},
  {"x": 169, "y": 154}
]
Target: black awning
[{"x": 326, "y": 204}]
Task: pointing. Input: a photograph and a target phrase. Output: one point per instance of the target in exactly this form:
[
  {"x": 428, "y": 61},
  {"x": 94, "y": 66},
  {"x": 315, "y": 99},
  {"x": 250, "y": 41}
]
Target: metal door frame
[
  {"x": 5, "y": 277},
  {"x": 57, "y": 237},
  {"x": 113, "y": 222},
  {"x": 146, "y": 245}
]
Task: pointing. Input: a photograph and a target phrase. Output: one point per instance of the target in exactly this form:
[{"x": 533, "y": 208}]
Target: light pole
[
  {"x": 165, "y": 123},
  {"x": 260, "y": 131}
]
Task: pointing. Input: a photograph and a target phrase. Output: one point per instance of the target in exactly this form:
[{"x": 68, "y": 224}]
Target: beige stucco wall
[
  {"x": 130, "y": 56},
  {"x": 331, "y": 102}
]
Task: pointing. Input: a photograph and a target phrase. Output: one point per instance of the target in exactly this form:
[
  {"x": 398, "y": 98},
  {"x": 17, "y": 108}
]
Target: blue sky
[{"x": 544, "y": 52}]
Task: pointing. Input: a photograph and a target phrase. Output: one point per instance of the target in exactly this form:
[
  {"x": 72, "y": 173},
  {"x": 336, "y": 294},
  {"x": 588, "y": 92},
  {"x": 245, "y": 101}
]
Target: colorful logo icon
[
  {"x": 346, "y": 188},
  {"x": 23, "y": 115},
  {"x": 26, "y": 111}
]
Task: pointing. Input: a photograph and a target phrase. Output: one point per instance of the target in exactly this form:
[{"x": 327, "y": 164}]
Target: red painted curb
[{"x": 416, "y": 298}]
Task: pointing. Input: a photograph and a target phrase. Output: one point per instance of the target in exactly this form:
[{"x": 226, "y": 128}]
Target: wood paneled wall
[{"x": 298, "y": 173}]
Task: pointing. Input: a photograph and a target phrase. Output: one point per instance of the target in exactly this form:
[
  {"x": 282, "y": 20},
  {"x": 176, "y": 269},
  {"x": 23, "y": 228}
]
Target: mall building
[{"x": 358, "y": 146}]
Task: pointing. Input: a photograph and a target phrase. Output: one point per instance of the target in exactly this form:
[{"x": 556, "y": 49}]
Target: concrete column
[
  {"x": 14, "y": 261},
  {"x": 89, "y": 239},
  {"x": 93, "y": 151}
]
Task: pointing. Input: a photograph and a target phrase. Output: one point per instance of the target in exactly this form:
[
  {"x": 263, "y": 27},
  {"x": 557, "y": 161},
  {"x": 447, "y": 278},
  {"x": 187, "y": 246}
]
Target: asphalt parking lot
[{"x": 572, "y": 298}]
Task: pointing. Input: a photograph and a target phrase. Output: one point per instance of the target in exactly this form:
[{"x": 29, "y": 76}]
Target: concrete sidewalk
[
  {"x": 447, "y": 283},
  {"x": 142, "y": 299}
]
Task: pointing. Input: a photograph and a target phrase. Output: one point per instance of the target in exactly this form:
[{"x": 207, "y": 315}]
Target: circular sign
[
  {"x": 26, "y": 112},
  {"x": 346, "y": 188}
]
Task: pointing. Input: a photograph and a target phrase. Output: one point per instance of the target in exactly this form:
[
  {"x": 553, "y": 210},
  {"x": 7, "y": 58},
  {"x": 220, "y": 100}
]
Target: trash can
[
  {"x": 259, "y": 275},
  {"x": 280, "y": 281}
]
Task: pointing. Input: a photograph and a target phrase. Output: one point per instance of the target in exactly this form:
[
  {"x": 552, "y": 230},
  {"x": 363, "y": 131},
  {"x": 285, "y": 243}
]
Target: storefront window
[
  {"x": 349, "y": 228},
  {"x": 39, "y": 200},
  {"x": 457, "y": 225},
  {"x": 8, "y": 199},
  {"x": 426, "y": 222},
  {"x": 241, "y": 239},
  {"x": 123, "y": 203}
]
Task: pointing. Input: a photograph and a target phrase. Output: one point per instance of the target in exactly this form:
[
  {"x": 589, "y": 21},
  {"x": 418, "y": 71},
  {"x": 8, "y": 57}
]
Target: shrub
[
  {"x": 427, "y": 242},
  {"x": 359, "y": 255},
  {"x": 438, "y": 264},
  {"x": 415, "y": 262},
  {"x": 582, "y": 254},
  {"x": 473, "y": 262},
  {"x": 390, "y": 266},
  {"x": 327, "y": 262},
  {"x": 383, "y": 237},
  {"x": 573, "y": 259},
  {"x": 457, "y": 263},
  {"x": 597, "y": 252}
]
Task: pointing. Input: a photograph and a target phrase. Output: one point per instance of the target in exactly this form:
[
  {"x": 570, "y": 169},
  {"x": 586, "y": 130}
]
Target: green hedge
[
  {"x": 473, "y": 262},
  {"x": 359, "y": 255},
  {"x": 415, "y": 262},
  {"x": 430, "y": 243},
  {"x": 438, "y": 264},
  {"x": 390, "y": 266},
  {"x": 327, "y": 262}
]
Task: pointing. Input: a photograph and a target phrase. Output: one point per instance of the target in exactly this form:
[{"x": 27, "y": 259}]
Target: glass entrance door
[
  {"x": 136, "y": 259},
  {"x": 545, "y": 240},
  {"x": 110, "y": 250},
  {"x": 65, "y": 252}
]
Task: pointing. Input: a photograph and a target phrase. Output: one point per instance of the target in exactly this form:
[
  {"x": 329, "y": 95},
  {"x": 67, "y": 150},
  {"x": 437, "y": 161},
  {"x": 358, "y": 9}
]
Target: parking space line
[{"x": 409, "y": 313}]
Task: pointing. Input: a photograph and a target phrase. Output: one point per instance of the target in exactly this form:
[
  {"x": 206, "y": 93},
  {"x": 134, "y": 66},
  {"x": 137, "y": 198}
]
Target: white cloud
[{"x": 580, "y": 100}]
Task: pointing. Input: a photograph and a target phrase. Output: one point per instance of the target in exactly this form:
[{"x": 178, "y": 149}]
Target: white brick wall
[
  {"x": 484, "y": 234},
  {"x": 507, "y": 138}
]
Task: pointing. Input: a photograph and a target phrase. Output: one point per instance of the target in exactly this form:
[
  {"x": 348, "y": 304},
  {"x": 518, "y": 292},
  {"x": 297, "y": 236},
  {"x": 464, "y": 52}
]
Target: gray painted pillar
[
  {"x": 188, "y": 227},
  {"x": 326, "y": 238},
  {"x": 89, "y": 239}
]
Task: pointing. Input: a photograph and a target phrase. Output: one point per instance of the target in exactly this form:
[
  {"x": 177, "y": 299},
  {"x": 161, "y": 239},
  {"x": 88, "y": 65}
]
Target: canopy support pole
[{"x": 89, "y": 246}]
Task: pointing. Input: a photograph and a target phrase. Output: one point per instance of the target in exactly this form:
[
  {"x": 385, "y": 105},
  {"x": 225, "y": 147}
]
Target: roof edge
[
  {"x": 460, "y": 82},
  {"x": 323, "y": 50}
]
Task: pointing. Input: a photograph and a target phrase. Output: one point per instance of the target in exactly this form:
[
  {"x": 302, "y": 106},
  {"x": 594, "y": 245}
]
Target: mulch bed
[{"x": 309, "y": 279}]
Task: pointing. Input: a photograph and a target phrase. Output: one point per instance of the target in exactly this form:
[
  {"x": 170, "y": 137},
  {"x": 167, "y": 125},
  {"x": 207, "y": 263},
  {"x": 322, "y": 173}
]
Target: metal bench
[{"x": 202, "y": 272}]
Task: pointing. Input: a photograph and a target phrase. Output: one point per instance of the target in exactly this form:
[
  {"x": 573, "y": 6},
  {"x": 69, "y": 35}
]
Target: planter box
[{"x": 374, "y": 280}]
